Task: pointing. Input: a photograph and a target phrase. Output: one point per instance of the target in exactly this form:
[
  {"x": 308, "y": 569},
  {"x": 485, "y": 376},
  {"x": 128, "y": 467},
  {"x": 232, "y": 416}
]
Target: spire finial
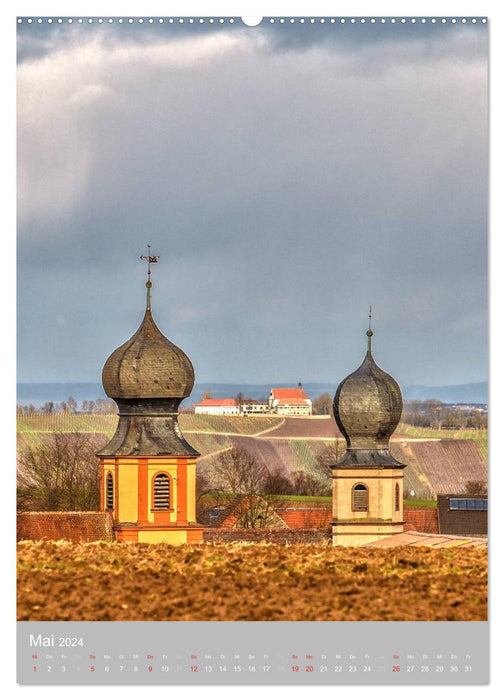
[
  {"x": 369, "y": 332},
  {"x": 151, "y": 260}
]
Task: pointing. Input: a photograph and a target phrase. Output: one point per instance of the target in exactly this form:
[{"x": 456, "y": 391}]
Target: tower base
[
  {"x": 356, "y": 534},
  {"x": 128, "y": 532}
]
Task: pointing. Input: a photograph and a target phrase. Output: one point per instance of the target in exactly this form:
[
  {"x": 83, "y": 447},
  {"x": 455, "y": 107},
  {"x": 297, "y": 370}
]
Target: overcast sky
[{"x": 288, "y": 177}]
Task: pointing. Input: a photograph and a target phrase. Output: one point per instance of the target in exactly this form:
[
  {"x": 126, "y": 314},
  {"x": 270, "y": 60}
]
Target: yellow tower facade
[
  {"x": 152, "y": 499},
  {"x": 367, "y": 481},
  {"x": 148, "y": 469}
]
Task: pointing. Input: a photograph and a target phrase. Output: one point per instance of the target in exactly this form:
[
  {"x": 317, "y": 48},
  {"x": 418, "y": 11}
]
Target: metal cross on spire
[{"x": 151, "y": 260}]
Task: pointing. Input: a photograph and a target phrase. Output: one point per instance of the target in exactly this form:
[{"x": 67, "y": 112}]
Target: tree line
[
  {"x": 69, "y": 406},
  {"x": 430, "y": 413},
  {"x": 436, "y": 414}
]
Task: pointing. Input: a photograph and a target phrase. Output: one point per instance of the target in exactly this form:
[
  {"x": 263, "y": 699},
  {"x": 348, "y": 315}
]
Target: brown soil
[
  {"x": 116, "y": 581},
  {"x": 306, "y": 428}
]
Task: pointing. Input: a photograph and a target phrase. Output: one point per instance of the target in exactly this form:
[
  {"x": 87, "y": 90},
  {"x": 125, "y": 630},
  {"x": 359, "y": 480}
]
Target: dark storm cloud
[
  {"x": 358, "y": 37},
  {"x": 285, "y": 187},
  {"x": 37, "y": 40}
]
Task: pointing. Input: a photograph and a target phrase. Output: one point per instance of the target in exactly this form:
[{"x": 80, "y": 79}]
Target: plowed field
[
  {"x": 306, "y": 428},
  {"x": 116, "y": 581}
]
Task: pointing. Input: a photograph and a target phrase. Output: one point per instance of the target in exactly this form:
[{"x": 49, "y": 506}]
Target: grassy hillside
[
  {"x": 439, "y": 461},
  {"x": 67, "y": 423},
  {"x": 480, "y": 437},
  {"x": 106, "y": 423}
]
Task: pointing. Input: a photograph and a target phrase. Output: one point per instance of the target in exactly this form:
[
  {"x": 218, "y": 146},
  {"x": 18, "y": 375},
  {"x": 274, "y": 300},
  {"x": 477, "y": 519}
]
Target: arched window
[
  {"x": 397, "y": 497},
  {"x": 359, "y": 497},
  {"x": 109, "y": 492},
  {"x": 162, "y": 492}
]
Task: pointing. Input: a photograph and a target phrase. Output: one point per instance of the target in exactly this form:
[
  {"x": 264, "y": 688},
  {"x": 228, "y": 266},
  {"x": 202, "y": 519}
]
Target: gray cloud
[{"x": 287, "y": 178}]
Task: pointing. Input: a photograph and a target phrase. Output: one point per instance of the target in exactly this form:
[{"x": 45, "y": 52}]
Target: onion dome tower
[
  {"x": 148, "y": 469},
  {"x": 367, "y": 481}
]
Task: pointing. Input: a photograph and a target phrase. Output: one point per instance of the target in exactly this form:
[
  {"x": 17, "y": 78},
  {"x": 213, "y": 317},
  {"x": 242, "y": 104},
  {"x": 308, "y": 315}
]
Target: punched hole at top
[{"x": 251, "y": 21}]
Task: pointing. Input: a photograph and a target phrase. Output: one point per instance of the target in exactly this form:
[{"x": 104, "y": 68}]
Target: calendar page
[{"x": 252, "y": 350}]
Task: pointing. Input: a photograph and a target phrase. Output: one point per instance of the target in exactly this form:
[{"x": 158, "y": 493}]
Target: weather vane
[
  {"x": 151, "y": 260},
  {"x": 369, "y": 317}
]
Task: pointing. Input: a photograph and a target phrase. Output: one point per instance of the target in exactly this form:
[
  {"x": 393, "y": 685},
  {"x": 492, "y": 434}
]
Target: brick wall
[
  {"x": 263, "y": 534},
  {"x": 72, "y": 526},
  {"x": 306, "y": 518},
  {"x": 421, "y": 520}
]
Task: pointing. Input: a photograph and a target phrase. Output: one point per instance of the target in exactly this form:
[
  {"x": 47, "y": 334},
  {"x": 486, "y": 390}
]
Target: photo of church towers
[{"x": 148, "y": 469}]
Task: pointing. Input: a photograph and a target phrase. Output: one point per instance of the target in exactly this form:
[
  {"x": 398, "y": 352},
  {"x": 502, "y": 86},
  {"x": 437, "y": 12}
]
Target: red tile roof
[
  {"x": 303, "y": 518},
  {"x": 293, "y": 402},
  {"x": 421, "y": 520},
  {"x": 217, "y": 402},
  {"x": 294, "y": 393}
]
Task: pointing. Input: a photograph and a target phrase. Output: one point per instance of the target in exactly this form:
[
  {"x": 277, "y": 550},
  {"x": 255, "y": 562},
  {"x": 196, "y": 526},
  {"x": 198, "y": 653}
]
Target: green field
[{"x": 416, "y": 503}]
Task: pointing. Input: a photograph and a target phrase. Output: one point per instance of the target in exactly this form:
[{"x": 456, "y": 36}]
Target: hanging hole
[{"x": 251, "y": 21}]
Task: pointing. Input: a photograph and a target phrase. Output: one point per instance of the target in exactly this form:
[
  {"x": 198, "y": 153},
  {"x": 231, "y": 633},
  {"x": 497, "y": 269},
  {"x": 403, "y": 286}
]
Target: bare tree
[
  {"x": 239, "y": 472},
  {"x": 276, "y": 483},
  {"x": 319, "y": 483},
  {"x": 105, "y": 406},
  {"x": 240, "y": 400},
  {"x": 305, "y": 484},
  {"x": 476, "y": 488},
  {"x": 72, "y": 404},
  {"x": 60, "y": 472},
  {"x": 323, "y": 405},
  {"x": 256, "y": 511},
  {"x": 208, "y": 499}
]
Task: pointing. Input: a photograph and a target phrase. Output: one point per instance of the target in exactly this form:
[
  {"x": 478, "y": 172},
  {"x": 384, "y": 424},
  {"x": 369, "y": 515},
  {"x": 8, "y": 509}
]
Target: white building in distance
[
  {"x": 290, "y": 402},
  {"x": 218, "y": 407}
]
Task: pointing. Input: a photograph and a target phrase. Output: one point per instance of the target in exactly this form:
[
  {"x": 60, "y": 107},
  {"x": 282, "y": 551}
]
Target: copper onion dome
[{"x": 367, "y": 408}]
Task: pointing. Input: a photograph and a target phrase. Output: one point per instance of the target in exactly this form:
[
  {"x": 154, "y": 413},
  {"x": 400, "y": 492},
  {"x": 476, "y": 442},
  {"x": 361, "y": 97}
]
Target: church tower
[
  {"x": 148, "y": 470},
  {"x": 367, "y": 481}
]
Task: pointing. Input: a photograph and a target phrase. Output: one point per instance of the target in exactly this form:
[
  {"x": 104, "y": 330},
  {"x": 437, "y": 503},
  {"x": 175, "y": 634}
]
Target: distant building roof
[
  {"x": 294, "y": 393},
  {"x": 293, "y": 402},
  {"x": 217, "y": 402}
]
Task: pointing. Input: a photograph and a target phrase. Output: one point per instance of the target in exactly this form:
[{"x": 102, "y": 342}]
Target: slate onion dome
[
  {"x": 367, "y": 408},
  {"x": 148, "y": 365},
  {"x": 148, "y": 376}
]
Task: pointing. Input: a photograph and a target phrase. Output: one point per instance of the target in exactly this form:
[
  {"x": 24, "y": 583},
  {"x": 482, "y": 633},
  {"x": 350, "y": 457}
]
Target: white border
[{"x": 292, "y": 9}]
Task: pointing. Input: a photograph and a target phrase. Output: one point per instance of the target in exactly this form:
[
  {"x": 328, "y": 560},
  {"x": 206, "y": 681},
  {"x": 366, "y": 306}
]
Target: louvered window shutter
[
  {"x": 162, "y": 492},
  {"x": 109, "y": 492},
  {"x": 360, "y": 497}
]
